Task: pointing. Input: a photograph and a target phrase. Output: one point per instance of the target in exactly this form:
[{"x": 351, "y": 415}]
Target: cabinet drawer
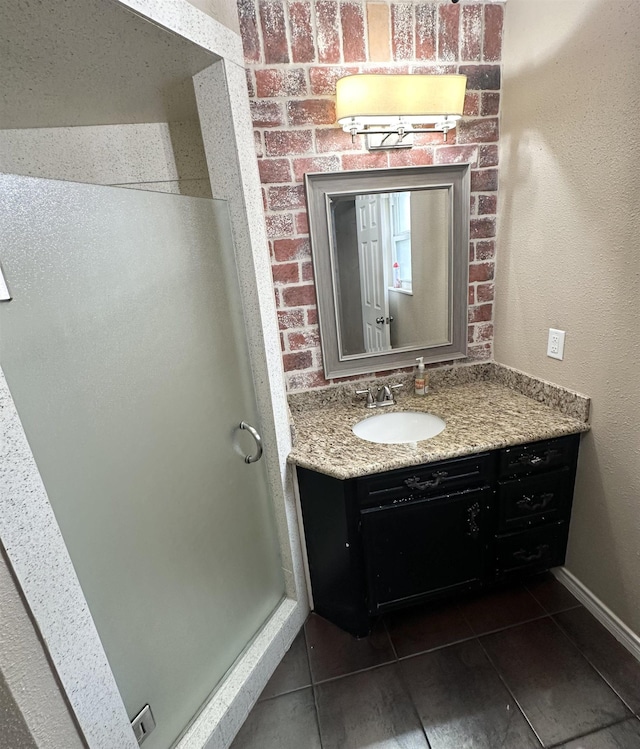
[
  {"x": 537, "y": 457},
  {"x": 534, "y": 550},
  {"x": 534, "y": 500},
  {"x": 395, "y": 487}
]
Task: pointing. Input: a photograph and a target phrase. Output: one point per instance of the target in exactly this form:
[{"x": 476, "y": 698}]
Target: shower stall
[{"x": 146, "y": 509}]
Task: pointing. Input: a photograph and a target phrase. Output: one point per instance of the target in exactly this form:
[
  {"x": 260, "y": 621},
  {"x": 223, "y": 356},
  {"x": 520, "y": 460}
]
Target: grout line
[
  {"x": 545, "y": 615},
  {"x": 511, "y": 694},
  {"x": 593, "y": 666},
  {"x": 560, "y": 744}
]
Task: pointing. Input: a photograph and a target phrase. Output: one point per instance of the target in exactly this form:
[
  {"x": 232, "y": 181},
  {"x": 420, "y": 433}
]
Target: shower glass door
[{"x": 125, "y": 351}]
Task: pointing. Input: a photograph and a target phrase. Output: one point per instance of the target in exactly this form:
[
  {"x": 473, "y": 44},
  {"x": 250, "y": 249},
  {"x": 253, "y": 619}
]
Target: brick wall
[{"x": 295, "y": 50}]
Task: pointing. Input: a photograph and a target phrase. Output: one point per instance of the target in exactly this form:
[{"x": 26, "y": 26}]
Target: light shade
[{"x": 378, "y": 100}]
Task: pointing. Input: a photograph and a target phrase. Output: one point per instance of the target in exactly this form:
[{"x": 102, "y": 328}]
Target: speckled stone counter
[{"x": 481, "y": 415}]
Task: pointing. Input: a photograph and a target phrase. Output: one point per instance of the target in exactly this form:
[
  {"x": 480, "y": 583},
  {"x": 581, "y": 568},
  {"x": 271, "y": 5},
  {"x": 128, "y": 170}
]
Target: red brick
[
  {"x": 303, "y": 339},
  {"x": 331, "y": 139},
  {"x": 283, "y": 198},
  {"x": 472, "y": 205},
  {"x": 290, "y": 318},
  {"x": 456, "y": 155},
  {"x": 386, "y": 69},
  {"x": 488, "y": 156},
  {"x": 352, "y": 24},
  {"x": 286, "y": 142},
  {"x": 277, "y": 82},
  {"x": 307, "y": 271},
  {"x": 484, "y": 180},
  {"x": 434, "y": 69},
  {"x": 471, "y": 331},
  {"x": 481, "y": 77},
  {"x": 480, "y": 313},
  {"x": 485, "y": 292},
  {"x": 402, "y": 29},
  {"x": 448, "y": 32},
  {"x": 266, "y": 113},
  {"x": 306, "y": 381},
  {"x": 493, "y": 19},
  {"x": 291, "y": 249},
  {"x": 302, "y": 223},
  {"x": 487, "y": 204},
  {"x": 434, "y": 139},
  {"x": 284, "y": 273},
  {"x": 471, "y": 296},
  {"x": 484, "y": 332},
  {"x": 426, "y": 31},
  {"x": 301, "y": 33},
  {"x": 370, "y": 160},
  {"x": 478, "y": 131},
  {"x": 279, "y": 225},
  {"x": 249, "y": 30},
  {"x": 274, "y": 170},
  {"x": 274, "y": 33},
  {"x": 490, "y": 103},
  {"x": 323, "y": 79},
  {"x": 472, "y": 252},
  {"x": 471, "y": 40},
  {"x": 282, "y": 342},
  {"x": 311, "y": 111},
  {"x": 479, "y": 352},
  {"x": 276, "y": 294},
  {"x": 264, "y": 199},
  {"x": 485, "y": 250},
  {"x": 483, "y": 228},
  {"x": 299, "y": 296},
  {"x": 328, "y": 35},
  {"x": 312, "y": 316},
  {"x": 299, "y": 360},
  {"x": 314, "y": 164},
  {"x": 481, "y": 272},
  {"x": 471, "y": 104},
  {"x": 411, "y": 157}
]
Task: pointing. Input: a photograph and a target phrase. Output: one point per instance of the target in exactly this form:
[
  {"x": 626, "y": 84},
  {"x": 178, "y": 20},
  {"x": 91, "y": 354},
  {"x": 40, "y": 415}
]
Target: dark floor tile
[
  {"x": 551, "y": 594},
  {"x": 285, "y": 722},
  {"x": 560, "y": 693},
  {"x": 426, "y": 627},
  {"x": 621, "y": 736},
  {"x": 610, "y": 658},
  {"x": 293, "y": 671},
  {"x": 369, "y": 709},
  {"x": 333, "y": 652},
  {"x": 462, "y": 702},
  {"x": 500, "y": 609}
]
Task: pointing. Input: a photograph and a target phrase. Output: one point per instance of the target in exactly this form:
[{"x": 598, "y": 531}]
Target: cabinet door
[{"x": 423, "y": 547}]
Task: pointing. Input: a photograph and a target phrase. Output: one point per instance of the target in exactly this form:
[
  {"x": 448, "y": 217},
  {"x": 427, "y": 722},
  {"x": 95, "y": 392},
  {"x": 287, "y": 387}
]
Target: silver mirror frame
[{"x": 320, "y": 188}]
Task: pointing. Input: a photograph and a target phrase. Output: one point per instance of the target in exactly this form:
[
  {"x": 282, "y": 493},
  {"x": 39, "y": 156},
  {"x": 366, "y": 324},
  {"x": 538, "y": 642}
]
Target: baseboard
[{"x": 623, "y": 634}]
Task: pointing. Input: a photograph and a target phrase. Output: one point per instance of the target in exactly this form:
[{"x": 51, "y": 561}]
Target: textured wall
[
  {"x": 568, "y": 255},
  {"x": 295, "y": 50}
]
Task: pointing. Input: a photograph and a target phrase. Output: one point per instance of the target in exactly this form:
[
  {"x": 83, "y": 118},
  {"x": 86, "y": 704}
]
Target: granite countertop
[{"x": 480, "y": 416}]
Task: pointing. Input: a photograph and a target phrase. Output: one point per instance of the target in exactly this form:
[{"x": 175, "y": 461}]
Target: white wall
[{"x": 568, "y": 257}]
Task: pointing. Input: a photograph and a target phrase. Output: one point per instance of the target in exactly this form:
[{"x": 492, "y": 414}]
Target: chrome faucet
[{"x": 384, "y": 396}]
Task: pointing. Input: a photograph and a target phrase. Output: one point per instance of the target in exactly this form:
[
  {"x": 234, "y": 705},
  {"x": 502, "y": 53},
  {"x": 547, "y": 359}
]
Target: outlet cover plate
[{"x": 555, "y": 344}]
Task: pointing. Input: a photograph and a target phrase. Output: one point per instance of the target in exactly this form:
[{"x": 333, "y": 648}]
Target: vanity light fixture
[{"x": 391, "y": 107}]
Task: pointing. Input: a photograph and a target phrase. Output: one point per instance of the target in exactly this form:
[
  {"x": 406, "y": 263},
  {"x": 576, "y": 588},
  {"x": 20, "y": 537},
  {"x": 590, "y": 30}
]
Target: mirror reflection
[{"x": 391, "y": 258}]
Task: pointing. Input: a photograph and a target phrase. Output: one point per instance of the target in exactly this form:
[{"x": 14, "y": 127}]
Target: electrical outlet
[{"x": 555, "y": 345}]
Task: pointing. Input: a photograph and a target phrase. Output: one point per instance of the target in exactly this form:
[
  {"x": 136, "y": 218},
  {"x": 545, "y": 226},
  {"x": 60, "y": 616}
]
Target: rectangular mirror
[{"x": 390, "y": 256}]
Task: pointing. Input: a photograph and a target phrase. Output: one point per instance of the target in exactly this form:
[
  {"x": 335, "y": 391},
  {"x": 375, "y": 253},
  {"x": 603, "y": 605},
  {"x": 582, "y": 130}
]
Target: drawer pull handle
[
  {"x": 529, "y": 504},
  {"x": 472, "y": 522},
  {"x": 527, "y": 556},
  {"x": 414, "y": 481}
]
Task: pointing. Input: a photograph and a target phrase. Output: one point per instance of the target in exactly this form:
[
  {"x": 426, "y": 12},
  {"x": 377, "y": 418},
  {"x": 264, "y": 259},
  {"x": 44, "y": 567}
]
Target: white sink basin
[{"x": 403, "y": 426}]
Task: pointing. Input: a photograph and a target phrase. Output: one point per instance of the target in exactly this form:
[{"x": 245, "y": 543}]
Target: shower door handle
[{"x": 254, "y": 433}]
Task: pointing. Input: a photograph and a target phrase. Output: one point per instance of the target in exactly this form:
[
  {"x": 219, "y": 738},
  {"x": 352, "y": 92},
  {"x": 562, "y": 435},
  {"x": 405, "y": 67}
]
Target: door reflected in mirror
[{"x": 391, "y": 256}]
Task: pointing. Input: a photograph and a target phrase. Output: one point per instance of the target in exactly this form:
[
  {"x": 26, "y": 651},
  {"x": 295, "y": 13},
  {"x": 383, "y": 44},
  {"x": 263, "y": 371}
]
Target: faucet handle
[
  {"x": 366, "y": 392},
  {"x": 399, "y": 385}
]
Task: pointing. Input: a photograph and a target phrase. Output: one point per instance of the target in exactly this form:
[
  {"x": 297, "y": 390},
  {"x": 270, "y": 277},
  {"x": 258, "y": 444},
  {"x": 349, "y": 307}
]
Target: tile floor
[{"x": 521, "y": 668}]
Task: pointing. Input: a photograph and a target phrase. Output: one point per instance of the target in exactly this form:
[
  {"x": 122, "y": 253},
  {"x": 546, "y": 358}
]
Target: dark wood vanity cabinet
[{"x": 388, "y": 540}]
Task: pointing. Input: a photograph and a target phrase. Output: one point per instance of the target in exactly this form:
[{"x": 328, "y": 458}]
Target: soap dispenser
[{"x": 420, "y": 377}]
